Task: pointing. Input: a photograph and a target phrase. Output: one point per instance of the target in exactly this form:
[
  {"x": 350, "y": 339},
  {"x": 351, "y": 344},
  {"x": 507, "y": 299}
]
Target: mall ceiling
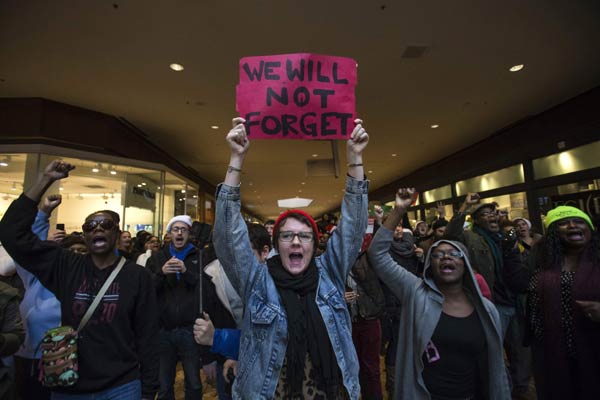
[{"x": 114, "y": 56}]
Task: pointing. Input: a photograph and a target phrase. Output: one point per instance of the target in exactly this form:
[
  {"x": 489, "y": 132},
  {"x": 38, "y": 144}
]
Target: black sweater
[{"x": 120, "y": 342}]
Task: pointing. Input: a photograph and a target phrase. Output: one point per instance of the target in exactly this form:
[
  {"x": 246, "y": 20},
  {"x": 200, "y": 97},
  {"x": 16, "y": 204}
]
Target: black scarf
[{"x": 306, "y": 330}]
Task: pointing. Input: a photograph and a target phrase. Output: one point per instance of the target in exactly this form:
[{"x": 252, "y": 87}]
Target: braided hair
[{"x": 550, "y": 252}]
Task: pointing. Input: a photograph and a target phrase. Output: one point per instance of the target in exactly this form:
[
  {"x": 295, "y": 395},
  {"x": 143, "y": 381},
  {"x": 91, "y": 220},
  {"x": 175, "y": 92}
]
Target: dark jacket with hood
[{"x": 421, "y": 311}]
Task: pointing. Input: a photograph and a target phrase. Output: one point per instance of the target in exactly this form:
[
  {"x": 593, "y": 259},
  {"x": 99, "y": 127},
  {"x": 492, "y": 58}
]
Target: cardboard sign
[{"x": 297, "y": 96}]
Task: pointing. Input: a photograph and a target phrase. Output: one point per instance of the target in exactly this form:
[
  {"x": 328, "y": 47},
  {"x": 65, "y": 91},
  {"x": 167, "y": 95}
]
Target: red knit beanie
[{"x": 291, "y": 213}]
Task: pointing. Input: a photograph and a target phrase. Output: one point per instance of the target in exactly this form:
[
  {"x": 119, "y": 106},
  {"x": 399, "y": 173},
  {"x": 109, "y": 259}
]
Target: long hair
[{"x": 550, "y": 252}]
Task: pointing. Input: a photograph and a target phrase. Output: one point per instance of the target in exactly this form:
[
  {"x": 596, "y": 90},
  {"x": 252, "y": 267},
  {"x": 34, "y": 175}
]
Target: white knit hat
[
  {"x": 186, "y": 219},
  {"x": 522, "y": 219}
]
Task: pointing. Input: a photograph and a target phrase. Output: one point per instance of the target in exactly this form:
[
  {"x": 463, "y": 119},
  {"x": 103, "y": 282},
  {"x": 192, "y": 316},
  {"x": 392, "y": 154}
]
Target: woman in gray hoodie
[{"x": 449, "y": 343}]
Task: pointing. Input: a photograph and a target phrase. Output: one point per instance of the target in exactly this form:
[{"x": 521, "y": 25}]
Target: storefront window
[
  {"x": 91, "y": 186},
  {"x": 493, "y": 180},
  {"x": 577, "y": 159},
  {"x": 584, "y": 195},
  {"x": 135, "y": 193},
  {"x": 441, "y": 193},
  {"x": 180, "y": 198},
  {"x": 12, "y": 177}
]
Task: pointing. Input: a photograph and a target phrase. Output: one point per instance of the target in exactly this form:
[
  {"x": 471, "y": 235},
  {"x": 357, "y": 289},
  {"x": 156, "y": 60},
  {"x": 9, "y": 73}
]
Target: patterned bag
[
  {"x": 59, "y": 357},
  {"x": 59, "y": 362}
]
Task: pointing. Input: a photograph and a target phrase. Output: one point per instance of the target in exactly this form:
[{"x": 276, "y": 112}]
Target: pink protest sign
[{"x": 297, "y": 96}]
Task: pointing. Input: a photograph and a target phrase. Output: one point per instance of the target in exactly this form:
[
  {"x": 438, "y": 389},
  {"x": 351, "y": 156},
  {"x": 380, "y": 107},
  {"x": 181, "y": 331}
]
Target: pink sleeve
[{"x": 483, "y": 286}]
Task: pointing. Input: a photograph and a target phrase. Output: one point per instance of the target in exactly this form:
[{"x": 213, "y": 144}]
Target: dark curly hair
[{"x": 550, "y": 250}]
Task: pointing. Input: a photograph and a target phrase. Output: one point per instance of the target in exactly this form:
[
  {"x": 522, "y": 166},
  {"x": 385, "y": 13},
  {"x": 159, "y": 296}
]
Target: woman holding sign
[{"x": 296, "y": 332}]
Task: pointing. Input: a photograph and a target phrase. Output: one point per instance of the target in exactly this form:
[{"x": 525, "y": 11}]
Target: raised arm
[
  {"x": 397, "y": 278},
  {"x": 344, "y": 244},
  {"x": 38, "y": 257},
  {"x": 454, "y": 229},
  {"x": 40, "y": 228},
  {"x": 230, "y": 235}
]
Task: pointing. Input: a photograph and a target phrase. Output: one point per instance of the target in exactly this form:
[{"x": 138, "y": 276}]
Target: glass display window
[
  {"x": 12, "y": 178},
  {"x": 492, "y": 180},
  {"x": 584, "y": 195},
  {"x": 573, "y": 160}
]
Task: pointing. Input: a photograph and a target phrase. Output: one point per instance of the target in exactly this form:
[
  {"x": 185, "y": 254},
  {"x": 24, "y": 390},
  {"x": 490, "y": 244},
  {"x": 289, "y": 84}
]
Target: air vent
[
  {"x": 320, "y": 167},
  {"x": 414, "y": 51}
]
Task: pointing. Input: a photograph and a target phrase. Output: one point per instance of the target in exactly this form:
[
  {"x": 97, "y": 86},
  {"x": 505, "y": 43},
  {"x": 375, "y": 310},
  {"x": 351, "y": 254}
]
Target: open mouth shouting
[
  {"x": 99, "y": 242},
  {"x": 447, "y": 267}
]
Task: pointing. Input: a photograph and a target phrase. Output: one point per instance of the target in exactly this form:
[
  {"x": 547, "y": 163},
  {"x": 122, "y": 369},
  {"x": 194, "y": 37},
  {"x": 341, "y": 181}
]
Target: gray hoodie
[{"x": 421, "y": 305}]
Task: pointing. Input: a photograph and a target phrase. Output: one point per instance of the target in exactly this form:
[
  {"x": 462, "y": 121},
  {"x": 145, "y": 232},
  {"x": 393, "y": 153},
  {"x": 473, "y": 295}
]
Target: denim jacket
[{"x": 264, "y": 326}]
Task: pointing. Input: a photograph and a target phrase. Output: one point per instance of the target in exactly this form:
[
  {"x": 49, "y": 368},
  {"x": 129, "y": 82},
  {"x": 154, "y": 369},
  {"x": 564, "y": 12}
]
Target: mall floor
[{"x": 210, "y": 392}]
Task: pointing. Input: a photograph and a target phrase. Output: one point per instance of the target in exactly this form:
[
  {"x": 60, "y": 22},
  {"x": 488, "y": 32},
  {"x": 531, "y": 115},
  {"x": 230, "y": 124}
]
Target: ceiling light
[
  {"x": 61, "y": 188},
  {"x": 435, "y": 126},
  {"x": 182, "y": 190},
  {"x": 300, "y": 191},
  {"x": 370, "y": 171},
  {"x": 303, "y": 183},
  {"x": 194, "y": 196},
  {"x": 315, "y": 155},
  {"x": 516, "y": 68},
  {"x": 394, "y": 154},
  {"x": 214, "y": 127},
  {"x": 3, "y": 163},
  {"x": 112, "y": 170},
  {"x": 296, "y": 202},
  {"x": 95, "y": 169},
  {"x": 143, "y": 183},
  {"x": 139, "y": 185},
  {"x": 158, "y": 188},
  {"x": 176, "y": 67}
]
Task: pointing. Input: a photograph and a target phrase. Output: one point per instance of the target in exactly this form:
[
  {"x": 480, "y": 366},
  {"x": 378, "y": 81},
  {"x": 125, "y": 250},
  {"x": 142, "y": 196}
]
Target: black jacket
[{"x": 179, "y": 299}]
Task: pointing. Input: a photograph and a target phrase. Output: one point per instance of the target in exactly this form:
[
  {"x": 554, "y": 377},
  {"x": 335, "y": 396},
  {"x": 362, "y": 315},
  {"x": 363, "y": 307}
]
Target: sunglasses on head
[{"x": 105, "y": 224}]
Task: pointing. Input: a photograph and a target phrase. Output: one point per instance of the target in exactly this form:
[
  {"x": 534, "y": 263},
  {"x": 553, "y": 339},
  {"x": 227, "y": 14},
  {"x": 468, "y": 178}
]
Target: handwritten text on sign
[{"x": 297, "y": 96}]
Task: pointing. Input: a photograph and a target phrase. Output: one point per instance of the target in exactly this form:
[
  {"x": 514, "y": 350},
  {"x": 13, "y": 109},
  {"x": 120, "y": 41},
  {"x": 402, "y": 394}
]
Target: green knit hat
[{"x": 562, "y": 212}]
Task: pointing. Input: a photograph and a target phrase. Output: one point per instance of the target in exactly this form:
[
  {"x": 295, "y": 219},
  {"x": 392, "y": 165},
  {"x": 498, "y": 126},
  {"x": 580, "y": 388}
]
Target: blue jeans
[
  {"x": 129, "y": 391},
  {"x": 178, "y": 344},
  {"x": 506, "y": 314}
]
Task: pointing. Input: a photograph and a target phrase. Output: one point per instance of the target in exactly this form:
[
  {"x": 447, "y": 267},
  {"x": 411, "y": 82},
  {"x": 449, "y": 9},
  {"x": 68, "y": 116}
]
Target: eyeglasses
[
  {"x": 106, "y": 224},
  {"x": 179, "y": 229},
  {"x": 288, "y": 236},
  {"x": 451, "y": 253}
]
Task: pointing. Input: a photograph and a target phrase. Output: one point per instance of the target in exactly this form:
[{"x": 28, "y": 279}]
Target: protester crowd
[{"x": 299, "y": 309}]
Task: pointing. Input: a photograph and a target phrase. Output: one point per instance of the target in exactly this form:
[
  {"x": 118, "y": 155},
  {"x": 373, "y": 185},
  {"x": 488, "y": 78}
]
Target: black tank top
[{"x": 452, "y": 357}]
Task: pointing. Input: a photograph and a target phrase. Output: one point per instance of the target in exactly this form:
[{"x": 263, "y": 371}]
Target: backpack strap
[{"x": 100, "y": 295}]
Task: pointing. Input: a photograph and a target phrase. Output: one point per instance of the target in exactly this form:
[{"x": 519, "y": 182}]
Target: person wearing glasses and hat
[
  {"x": 176, "y": 274},
  {"x": 118, "y": 348},
  {"x": 451, "y": 346},
  {"x": 296, "y": 340},
  {"x": 489, "y": 251},
  {"x": 563, "y": 287}
]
